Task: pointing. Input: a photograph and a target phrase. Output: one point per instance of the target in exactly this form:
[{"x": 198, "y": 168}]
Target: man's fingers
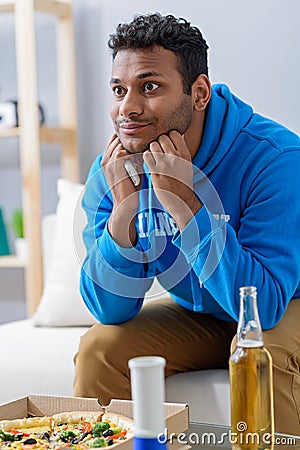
[
  {"x": 171, "y": 143},
  {"x": 114, "y": 151},
  {"x": 150, "y": 156},
  {"x": 112, "y": 138},
  {"x": 177, "y": 140},
  {"x": 155, "y": 147},
  {"x": 149, "y": 159},
  {"x": 111, "y": 146},
  {"x": 166, "y": 144}
]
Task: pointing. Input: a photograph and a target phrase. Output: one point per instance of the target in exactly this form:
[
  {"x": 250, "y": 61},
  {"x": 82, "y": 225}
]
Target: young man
[{"x": 215, "y": 205}]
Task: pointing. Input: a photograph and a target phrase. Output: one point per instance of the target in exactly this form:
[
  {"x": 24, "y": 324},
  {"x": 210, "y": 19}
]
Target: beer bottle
[{"x": 251, "y": 385}]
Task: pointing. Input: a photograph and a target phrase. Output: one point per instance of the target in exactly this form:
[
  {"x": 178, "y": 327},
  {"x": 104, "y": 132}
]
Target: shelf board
[
  {"x": 7, "y": 6},
  {"x": 9, "y": 132},
  {"x": 56, "y": 134},
  {"x": 47, "y": 134},
  {"x": 11, "y": 261},
  {"x": 61, "y": 8}
]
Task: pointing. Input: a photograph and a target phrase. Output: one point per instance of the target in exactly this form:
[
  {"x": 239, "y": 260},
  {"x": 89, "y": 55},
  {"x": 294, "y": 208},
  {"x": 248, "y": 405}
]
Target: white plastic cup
[{"x": 148, "y": 395}]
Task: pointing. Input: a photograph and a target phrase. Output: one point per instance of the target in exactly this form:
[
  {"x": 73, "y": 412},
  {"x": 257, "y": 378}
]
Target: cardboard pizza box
[{"x": 177, "y": 417}]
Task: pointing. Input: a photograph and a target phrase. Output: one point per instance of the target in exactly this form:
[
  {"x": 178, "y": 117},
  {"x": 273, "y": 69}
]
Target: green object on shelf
[
  {"x": 4, "y": 247},
  {"x": 17, "y": 223}
]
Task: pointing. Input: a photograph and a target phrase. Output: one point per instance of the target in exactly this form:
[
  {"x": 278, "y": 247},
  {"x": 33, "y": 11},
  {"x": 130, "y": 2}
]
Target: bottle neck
[{"x": 249, "y": 332}]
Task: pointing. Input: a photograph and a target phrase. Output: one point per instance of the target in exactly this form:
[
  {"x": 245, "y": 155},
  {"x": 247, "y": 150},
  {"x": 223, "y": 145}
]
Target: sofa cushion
[
  {"x": 207, "y": 393},
  {"x": 37, "y": 360},
  {"x": 61, "y": 303}
]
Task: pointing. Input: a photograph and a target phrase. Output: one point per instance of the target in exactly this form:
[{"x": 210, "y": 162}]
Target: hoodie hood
[{"x": 226, "y": 116}]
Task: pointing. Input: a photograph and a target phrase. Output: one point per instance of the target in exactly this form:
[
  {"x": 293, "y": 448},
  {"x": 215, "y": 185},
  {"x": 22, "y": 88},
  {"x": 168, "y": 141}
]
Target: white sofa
[{"x": 36, "y": 355}]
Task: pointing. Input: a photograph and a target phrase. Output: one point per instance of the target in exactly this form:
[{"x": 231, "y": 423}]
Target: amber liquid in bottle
[{"x": 251, "y": 385}]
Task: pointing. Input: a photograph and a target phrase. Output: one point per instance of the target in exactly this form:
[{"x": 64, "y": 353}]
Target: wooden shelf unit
[
  {"x": 11, "y": 261},
  {"x": 47, "y": 134},
  {"x": 57, "y": 7},
  {"x": 31, "y": 134}
]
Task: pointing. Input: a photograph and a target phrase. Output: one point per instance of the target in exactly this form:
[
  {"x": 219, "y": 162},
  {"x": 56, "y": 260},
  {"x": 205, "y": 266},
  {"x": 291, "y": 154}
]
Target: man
[{"x": 215, "y": 206}]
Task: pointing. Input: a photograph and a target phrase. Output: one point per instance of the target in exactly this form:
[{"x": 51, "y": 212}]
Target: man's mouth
[{"x": 132, "y": 127}]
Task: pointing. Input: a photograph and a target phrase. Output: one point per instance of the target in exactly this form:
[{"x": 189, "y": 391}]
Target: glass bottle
[
  {"x": 148, "y": 392},
  {"x": 251, "y": 382}
]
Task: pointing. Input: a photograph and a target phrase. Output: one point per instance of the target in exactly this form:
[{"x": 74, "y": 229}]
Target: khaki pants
[{"x": 189, "y": 341}]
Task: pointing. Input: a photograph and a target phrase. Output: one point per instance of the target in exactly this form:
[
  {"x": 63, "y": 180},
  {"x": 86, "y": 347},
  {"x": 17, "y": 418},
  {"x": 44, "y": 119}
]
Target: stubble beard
[{"x": 178, "y": 119}]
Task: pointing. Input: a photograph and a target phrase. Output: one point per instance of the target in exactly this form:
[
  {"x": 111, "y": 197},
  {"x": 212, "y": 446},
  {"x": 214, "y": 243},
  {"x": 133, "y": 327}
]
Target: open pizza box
[{"x": 177, "y": 417}]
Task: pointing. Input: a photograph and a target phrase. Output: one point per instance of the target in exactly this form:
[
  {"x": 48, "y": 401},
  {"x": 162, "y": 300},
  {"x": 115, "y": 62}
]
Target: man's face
[{"x": 148, "y": 98}]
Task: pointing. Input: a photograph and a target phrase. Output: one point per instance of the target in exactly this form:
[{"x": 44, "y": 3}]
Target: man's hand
[
  {"x": 169, "y": 162},
  {"x": 125, "y": 195}
]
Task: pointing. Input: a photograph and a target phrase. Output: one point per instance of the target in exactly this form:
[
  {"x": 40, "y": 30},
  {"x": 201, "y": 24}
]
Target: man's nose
[{"x": 131, "y": 105}]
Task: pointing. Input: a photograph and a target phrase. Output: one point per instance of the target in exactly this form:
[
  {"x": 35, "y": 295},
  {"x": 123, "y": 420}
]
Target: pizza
[{"x": 76, "y": 430}]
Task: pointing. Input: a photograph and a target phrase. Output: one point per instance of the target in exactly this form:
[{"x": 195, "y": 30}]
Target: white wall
[{"x": 254, "y": 47}]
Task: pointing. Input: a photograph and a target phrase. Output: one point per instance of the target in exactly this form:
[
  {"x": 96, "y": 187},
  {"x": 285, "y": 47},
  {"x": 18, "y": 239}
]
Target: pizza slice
[
  {"x": 87, "y": 430},
  {"x": 32, "y": 432}
]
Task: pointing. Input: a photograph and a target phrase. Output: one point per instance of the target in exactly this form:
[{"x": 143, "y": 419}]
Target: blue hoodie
[{"x": 246, "y": 173}]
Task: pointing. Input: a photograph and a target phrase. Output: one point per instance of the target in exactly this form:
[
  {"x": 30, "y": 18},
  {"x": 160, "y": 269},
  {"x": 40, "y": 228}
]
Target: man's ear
[{"x": 201, "y": 92}]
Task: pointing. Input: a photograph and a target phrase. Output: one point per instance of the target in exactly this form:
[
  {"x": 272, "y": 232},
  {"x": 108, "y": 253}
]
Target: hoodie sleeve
[
  {"x": 263, "y": 251},
  {"x": 110, "y": 273}
]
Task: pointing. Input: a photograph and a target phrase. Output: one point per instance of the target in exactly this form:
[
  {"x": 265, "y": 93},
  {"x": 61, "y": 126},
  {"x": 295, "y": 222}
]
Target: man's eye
[
  {"x": 118, "y": 90},
  {"x": 150, "y": 86}
]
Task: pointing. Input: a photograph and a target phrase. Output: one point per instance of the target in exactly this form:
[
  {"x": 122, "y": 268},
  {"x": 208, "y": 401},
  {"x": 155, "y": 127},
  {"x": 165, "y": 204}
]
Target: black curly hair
[{"x": 175, "y": 34}]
